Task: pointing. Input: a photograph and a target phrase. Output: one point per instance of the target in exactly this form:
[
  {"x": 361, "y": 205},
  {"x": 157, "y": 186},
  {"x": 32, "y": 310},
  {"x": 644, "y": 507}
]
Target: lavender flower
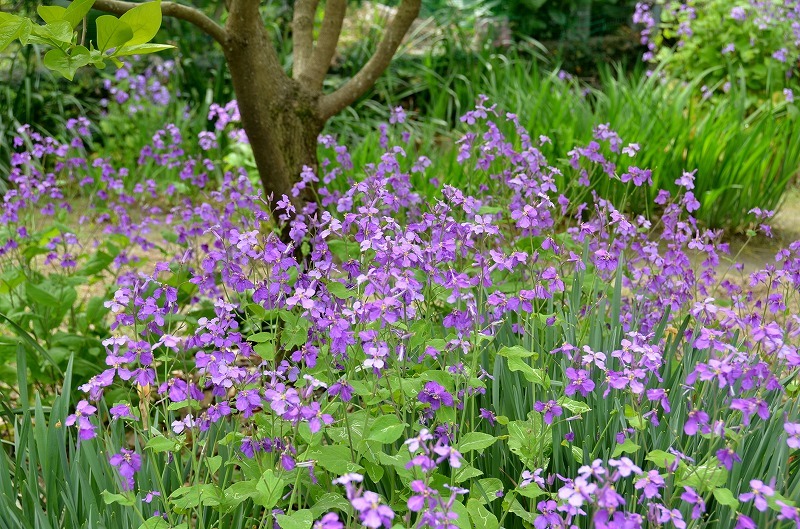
[
  {"x": 579, "y": 380},
  {"x": 128, "y": 464},
  {"x": 86, "y": 430},
  {"x": 551, "y": 409},
  {"x": 436, "y": 395},
  {"x": 371, "y": 512}
]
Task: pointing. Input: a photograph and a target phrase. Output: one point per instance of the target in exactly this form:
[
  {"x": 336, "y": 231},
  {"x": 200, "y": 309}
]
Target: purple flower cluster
[{"x": 423, "y": 319}]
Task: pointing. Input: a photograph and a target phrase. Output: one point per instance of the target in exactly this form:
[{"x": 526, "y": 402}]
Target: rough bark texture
[{"x": 278, "y": 114}]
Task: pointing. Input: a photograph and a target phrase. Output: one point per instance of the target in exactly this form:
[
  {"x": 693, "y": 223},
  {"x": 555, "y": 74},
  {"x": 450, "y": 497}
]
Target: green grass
[{"x": 745, "y": 157}]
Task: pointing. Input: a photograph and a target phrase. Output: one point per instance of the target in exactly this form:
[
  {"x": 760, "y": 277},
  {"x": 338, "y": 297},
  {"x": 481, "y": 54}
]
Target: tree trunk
[{"x": 279, "y": 115}]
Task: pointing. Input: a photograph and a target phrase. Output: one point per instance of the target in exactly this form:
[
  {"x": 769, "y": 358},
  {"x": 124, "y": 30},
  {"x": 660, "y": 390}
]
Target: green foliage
[
  {"x": 745, "y": 155},
  {"x": 705, "y": 38},
  {"x": 115, "y": 37}
]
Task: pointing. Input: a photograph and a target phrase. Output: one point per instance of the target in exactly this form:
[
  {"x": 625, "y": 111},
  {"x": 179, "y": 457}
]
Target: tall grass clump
[
  {"x": 503, "y": 357},
  {"x": 744, "y": 155}
]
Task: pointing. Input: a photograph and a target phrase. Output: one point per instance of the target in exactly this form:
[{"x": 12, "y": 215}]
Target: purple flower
[
  {"x": 371, "y": 512},
  {"x": 781, "y": 55},
  {"x": 577, "y": 491},
  {"x": 315, "y": 417},
  {"x": 121, "y": 410},
  {"x": 549, "y": 516},
  {"x": 672, "y": 516},
  {"x": 551, "y": 409},
  {"x": 424, "y": 497},
  {"x": 150, "y": 496},
  {"x": 342, "y": 389},
  {"x": 529, "y": 477},
  {"x": 793, "y": 430},
  {"x": 695, "y": 419},
  {"x": 579, "y": 381},
  {"x": 744, "y": 522},
  {"x": 759, "y": 492},
  {"x": 750, "y": 407},
  {"x": 84, "y": 410},
  {"x": 176, "y": 389},
  {"x": 727, "y": 457},
  {"x": 738, "y": 13},
  {"x": 625, "y": 466},
  {"x": 789, "y": 513},
  {"x": 329, "y": 521},
  {"x": 690, "y": 496},
  {"x": 436, "y": 395},
  {"x": 128, "y": 463},
  {"x": 488, "y": 415},
  {"x": 650, "y": 484},
  {"x": 248, "y": 401}
]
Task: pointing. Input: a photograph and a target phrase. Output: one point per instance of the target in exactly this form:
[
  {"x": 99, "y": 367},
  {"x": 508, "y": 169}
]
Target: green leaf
[
  {"x": 265, "y": 351},
  {"x": 121, "y": 499},
  {"x": 634, "y": 418},
  {"x": 339, "y": 290},
  {"x": 481, "y": 517},
  {"x": 576, "y": 407},
  {"x": 516, "y": 507},
  {"x": 486, "y": 490},
  {"x": 51, "y": 14},
  {"x": 386, "y": 429},
  {"x": 661, "y": 458},
  {"x": 537, "y": 376},
  {"x": 270, "y": 489},
  {"x": 160, "y": 444},
  {"x": 261, "y": 337},
  {"x": 144, "y": 21},
  {"x": 328, "y": 502},
  {"x": 463, "y": 520},
  {"x": 374, "y": 470},
  {"x": 156, "y": 522},
  {"x": 516, "y": 351},
  {"x": 466, "y": 472},
  {"x": 76, "y": 11},
  {"x": 627, "y": 447},
  {"x": 301, "y": 519},
  {"x": 39, "y": 295},
  {"x": 475, "y": 441},
  {"x": 192, "y": 496},
  {"x": 141, "y": 49},
  {"x": 96, "y": 310},
  {"x": 67, "y": 65},
  {"x": 237, "y": 493},
  {"x": 101, "y": 260},
  {"x": 112, "y": 33},
  {"x": 725, "y": 497},
  {"x": 58, "y": 34},
  {"x": 214, "y": 463},
  {"x": 704, "y": 477},
  {"x": 531, "y": 491},
  {"x": 13, "y": 27},
  {"x": 334, "y": 458}
]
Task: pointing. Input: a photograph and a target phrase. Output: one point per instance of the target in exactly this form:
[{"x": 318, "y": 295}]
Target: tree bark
[{"x": 278, "y": 114}]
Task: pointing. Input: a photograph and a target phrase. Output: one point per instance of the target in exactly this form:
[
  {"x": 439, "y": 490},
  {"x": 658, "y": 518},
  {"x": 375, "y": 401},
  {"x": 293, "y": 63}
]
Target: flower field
[{"x": 555, "y": 342}]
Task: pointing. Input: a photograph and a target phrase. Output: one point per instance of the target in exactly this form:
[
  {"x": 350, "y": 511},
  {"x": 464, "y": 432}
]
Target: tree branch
[
  {"x": 361, "y": 82},
  {"x": 303, "y": 34},
  {"x": 325, "y": 49},
  {"x": 170, "y": 9}
]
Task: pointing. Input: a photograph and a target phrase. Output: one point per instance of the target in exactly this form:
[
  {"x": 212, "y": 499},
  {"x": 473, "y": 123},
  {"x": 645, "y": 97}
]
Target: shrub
[
  {"x": 750, "y": 41},
  {"x": 503, "y": 358}
]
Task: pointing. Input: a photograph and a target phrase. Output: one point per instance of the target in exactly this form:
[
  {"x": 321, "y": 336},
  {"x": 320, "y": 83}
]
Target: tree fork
[{"x": 283, "y": 116}]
